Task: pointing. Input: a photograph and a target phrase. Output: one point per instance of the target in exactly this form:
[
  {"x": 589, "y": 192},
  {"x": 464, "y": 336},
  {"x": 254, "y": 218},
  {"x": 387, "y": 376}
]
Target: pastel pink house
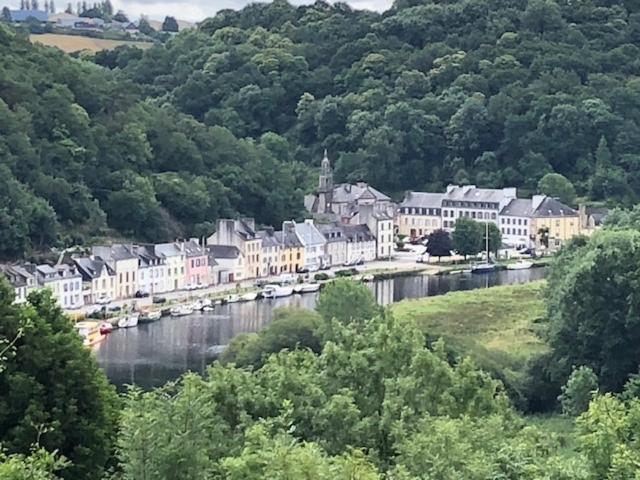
[{"x": 197, "y": 270}]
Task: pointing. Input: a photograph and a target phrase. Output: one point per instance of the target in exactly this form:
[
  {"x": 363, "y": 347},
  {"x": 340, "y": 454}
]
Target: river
[{"x": 152, "y": 354}]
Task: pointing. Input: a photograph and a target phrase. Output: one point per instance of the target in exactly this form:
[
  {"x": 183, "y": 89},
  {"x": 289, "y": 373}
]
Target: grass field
[
  {"x": 500, "y": 327},
  {"x": 75, "y": 43}
]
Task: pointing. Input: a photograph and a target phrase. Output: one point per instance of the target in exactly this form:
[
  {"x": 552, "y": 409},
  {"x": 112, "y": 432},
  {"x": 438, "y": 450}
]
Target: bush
[{"x": 319, "y": 277}]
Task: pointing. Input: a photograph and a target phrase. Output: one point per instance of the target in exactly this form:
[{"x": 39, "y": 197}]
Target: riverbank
[{"x": 501, "y": 328}]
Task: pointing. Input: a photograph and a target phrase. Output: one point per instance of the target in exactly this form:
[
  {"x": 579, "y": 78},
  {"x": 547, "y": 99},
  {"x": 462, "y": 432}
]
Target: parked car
[
  {"x": 141, "y": 294},
  {"x": 115, "y": 308},
  {"x": 159, "y": 300},
  {"x": 103, "y": 300}
]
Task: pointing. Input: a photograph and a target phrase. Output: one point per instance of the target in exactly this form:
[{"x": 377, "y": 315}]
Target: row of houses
[
  {"x": 237, "y": 251},
  {"x": 524, "y": 222}
]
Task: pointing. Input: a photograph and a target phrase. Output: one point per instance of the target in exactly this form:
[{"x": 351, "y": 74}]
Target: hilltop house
[{"x": 21, "y": 16}]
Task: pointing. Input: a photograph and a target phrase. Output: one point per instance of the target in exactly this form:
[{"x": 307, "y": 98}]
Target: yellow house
[
  {"x": 124, "y": 263},
  {"x": 98, "y": 278},
  {"x": 419, "y": 214},
  {"x": 555, "y": 219},
  {"x": 292, "y": 257}
]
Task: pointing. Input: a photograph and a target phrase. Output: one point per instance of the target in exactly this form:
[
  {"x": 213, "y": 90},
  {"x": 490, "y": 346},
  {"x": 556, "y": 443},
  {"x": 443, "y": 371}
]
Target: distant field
[{"x": 75, "y": 43}]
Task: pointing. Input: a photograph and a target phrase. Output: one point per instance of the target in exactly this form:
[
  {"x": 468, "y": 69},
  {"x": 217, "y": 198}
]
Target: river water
[{"x": 152, "y": 354}]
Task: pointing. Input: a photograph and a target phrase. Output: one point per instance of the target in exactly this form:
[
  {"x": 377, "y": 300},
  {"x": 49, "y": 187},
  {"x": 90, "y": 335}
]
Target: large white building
[
  {"x": 64, "y": 282},
  {"x": 481, "y": 204}
]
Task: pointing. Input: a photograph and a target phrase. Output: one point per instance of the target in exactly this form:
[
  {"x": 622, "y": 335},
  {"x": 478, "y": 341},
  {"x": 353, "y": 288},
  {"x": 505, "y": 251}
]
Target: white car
[{"x": 103, "y": 300}]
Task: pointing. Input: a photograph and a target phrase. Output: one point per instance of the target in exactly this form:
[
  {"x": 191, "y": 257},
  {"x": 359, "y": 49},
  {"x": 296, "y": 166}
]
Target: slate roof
[
  {"x": 288, "y": 239},
  {"x": 346, "y": 192},
  {"x": 550, "y": 207},
  {"x": 167, "y": 249},
  {"x": 333, "y": 232},
  {"x": 518, "y": 207},
  {"x": 91, "y": 268},
  {"x": 309, "y": 234},
  {"x": 358, "y": 233},
  {"x": 269, "y": 238},
  {"x": 223, "y": 251},
  {"x": 17, "y": 276},
  {"x": 471, "y": 193},
  {"x": 422, "y": 200},
  {"x": 193, "y": 249}
]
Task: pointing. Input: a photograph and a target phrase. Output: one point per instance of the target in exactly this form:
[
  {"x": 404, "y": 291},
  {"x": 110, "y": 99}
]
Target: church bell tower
[{"x": 325, "y": 185}]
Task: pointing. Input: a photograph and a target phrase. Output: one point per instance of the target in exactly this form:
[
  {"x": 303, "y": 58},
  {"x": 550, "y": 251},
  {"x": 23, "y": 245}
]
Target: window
[
  {"x": 66, "y": 287},
  {"x": 502, "y": 229},
  {"x": 493, "y": 216}
]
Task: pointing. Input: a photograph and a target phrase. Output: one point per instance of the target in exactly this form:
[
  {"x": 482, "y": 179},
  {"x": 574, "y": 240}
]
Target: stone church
[{"x": 344, "y": 200}]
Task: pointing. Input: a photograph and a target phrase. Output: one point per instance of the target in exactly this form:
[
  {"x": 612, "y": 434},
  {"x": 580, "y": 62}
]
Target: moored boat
[
  {"x": 90, "y": 333},
  {"x": 367, "y": 278},
  {"x": 150, "y": 316},
  {"x": 309, "y": 287},
  {"x": 277, "y": 291},
  {"x": 105, "y": 328},
  {"x": 181, "y": 311},
  {"x": 232, "y": 298},
  {"x": 483, "y": 268},
  {"x": 249, "y": 297},
  {"x": 520, "y": 265},
  {"x": 297, "y": 288},
  {"x": 129, "y": 321}
]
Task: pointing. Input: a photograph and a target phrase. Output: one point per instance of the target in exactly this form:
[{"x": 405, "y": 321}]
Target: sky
[{"x": 193, "y": 10}]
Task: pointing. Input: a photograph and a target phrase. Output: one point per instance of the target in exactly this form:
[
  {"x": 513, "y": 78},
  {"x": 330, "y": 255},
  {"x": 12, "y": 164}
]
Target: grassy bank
[{"x": 500, "y": 327}]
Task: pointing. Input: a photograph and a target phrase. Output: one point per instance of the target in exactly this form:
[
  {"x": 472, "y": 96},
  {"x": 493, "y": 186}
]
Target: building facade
[
  {"x": 22, "y": 280},
  {"x": 336, "y": 246},
  {"x": 361, "y": 244},
  {"x": 64, "y": 282},
  {"x": 98, "y": 279},
  {"x": 174, "y": 260},
  {"x": 241, "y": 234},
  {"x": 419, "y": 214},
  {"x": 314, "y": 244},
  {"x": 481, "y": 204},
  {"x": 292, "y": 257},
  {"x": 124, "y": 262},
  {"x": 197, "y": 264}
]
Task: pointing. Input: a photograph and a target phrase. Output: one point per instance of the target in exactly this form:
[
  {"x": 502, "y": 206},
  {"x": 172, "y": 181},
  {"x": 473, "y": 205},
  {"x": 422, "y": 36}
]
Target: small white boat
[
  {"x": 129, "y": 321},
  {"x": 519, "y": 265},
  {"x": 483, "y": 268},
  {"x": 249, "y": 297},
  {"x": 206, "y": 302},
  {"x": 232, "y": 298},
  {"x": 297, "y": 288},
  {"x": 277, "y": 291},
  {"x": 207, "y": 309},
  {"x": 309, "y": 287},
  {"x": 217, "y": 302},
  {"x": 367, "y": 278},
  {"x": 181, "y": 311},
  {"x": 197, "y": 305},
  {"x": 90, "y": 332},
  {"x": 150, "y": 316}
]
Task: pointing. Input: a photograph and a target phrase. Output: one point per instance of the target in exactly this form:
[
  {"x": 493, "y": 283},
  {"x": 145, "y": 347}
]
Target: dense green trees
[
  {"x": 53, "y": 393},
  {"x": 592, "y": 305},
  {"x": 439, "y": 244}
]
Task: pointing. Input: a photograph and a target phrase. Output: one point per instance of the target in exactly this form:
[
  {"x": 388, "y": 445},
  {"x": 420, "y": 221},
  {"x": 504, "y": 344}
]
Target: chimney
[
  {"x": 536, "y": 201},
  {"x": 288, "y": 226},
  {"x": 582, "y": 215}
]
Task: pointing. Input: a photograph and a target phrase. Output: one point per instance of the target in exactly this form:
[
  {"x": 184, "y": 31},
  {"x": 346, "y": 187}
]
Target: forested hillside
[{"x": 228, "y": 118}]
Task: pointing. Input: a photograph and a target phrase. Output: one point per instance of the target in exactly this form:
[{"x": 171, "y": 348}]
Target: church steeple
[{"x": 325, "y": 185}]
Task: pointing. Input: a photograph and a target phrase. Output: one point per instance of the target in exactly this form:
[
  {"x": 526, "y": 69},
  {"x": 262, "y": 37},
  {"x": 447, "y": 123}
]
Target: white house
[
  {"x": 272, "y": 250},
  {"x": 313, "y": 242},
  {"x": 153, "y": 271},
  {"x": 361, "y": 244},
  {"x": 481, "y": 204},
  {"x": 98, "y": 279},
  {"x": 64, "y": 282},
  {"x": 174, "y": 258},
  {"x": 22, "y": 280},
  {"x": 226, "y": 263},
  {"x": 380, "y": 224},
  {"x": 336, "y": 246}
]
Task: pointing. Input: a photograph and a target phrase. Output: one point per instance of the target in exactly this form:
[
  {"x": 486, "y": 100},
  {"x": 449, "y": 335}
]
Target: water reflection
[{"x": 150, "y": 355}]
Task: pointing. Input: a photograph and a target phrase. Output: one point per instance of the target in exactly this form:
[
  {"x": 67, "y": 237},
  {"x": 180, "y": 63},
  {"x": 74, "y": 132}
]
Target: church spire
[{"x": 325, "y": 185}]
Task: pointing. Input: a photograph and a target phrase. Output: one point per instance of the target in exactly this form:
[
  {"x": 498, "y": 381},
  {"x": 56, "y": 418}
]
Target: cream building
[
  {"x": 336, "y": 246},
  {"x": 64, "y": 282},
  {"x": 361, "y": 244},
  {"x": 174, "y": 258},
  {"x": 481, "y": 204},
  {"x": 241, "y": 234},
  {"x": 525, "y": 222},
  {"x": 124, "y": 263},
  {"x": 98, "y": 279},
  {"x": 272, "y": 252},
  {"x": 292, "y": 257},
  {"x": 419, "y": 214}
]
